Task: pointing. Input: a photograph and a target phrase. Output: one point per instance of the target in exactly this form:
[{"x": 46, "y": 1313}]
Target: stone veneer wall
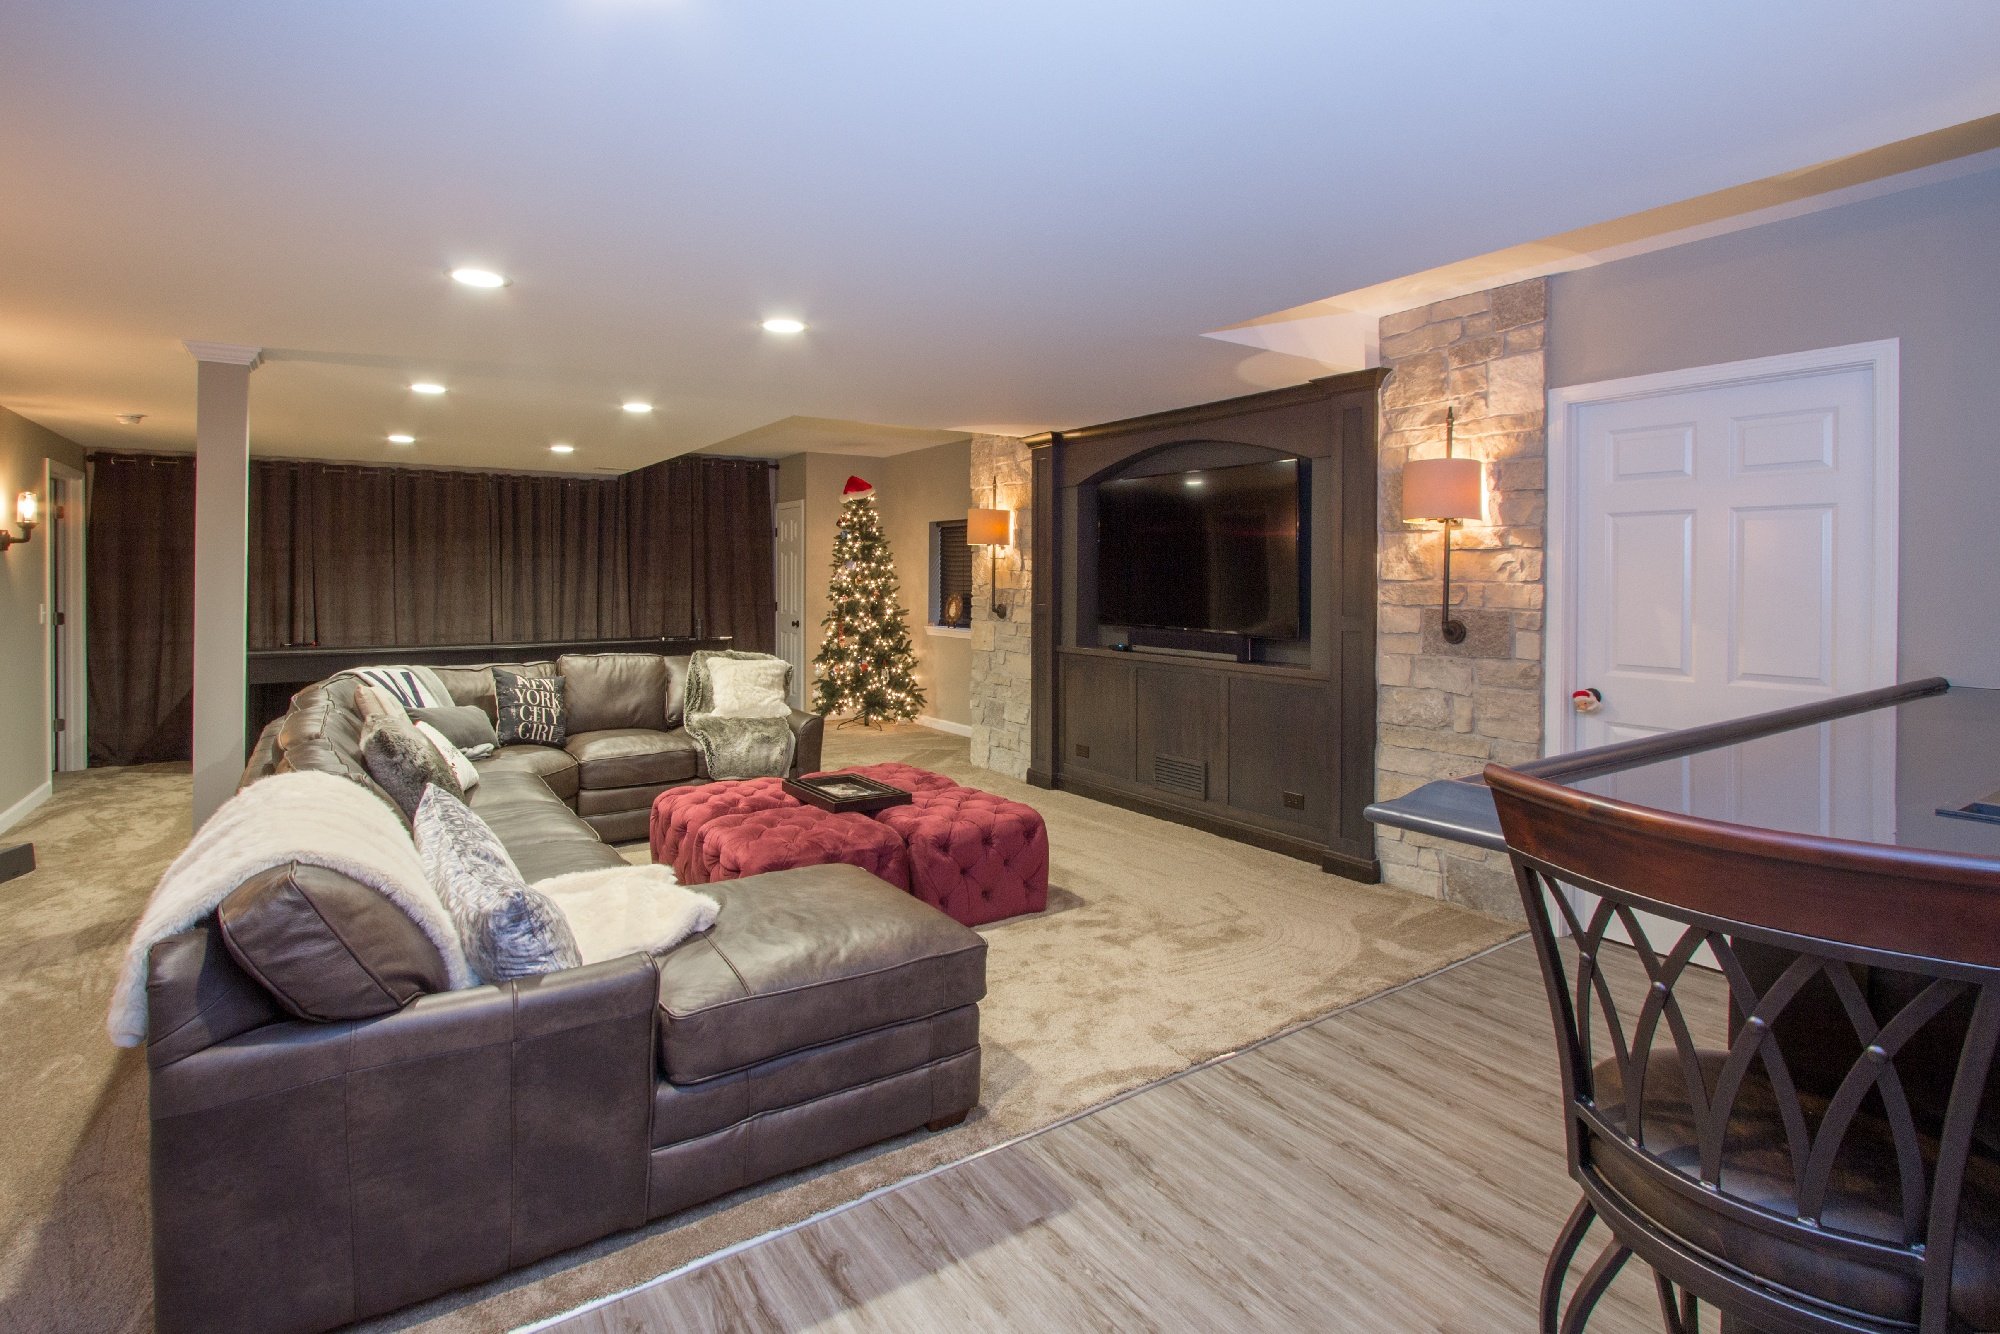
[
  {"x": 1002, "y": 673},
  {"x": 1446, "y": 709}
]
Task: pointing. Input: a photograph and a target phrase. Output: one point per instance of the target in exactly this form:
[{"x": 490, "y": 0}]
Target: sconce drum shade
[
  {"x": 1442, "y": 489},
  {"x": 989, "y": 528}
]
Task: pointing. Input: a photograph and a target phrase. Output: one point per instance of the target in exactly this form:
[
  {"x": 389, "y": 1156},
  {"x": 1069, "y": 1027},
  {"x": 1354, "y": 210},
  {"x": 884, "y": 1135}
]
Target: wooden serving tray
[{"x": 842, "y": 793}]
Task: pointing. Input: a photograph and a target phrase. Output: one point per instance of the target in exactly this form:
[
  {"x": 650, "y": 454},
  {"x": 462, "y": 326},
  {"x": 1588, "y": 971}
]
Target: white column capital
[{"x": 229, "y": 354}]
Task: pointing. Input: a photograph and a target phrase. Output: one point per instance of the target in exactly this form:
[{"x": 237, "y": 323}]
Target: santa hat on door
[{"x": 856, "y": 487}]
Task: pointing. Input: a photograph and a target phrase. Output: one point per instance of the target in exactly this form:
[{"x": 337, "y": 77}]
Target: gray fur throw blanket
[{"x": 735, "y": 746}]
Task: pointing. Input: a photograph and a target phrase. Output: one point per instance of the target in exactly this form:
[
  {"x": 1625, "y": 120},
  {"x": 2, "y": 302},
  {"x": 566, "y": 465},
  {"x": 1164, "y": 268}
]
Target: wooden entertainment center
[{"x": 1267, "y": 741}]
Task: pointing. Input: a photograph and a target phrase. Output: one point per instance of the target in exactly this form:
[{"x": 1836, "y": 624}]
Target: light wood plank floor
[{"x": 1396, "y": 1166}]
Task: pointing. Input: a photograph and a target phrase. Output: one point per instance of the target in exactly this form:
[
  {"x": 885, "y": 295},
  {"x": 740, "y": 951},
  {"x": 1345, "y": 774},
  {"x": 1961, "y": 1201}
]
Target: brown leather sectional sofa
[{"x": 335, "y": 1136}]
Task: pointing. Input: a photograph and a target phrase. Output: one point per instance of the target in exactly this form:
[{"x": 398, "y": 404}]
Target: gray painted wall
[
  {"x": 1922, "y": 266},
  {"x": 25, "y": 449}
]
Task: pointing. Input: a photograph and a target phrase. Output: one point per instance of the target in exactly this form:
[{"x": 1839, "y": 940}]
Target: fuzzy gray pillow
[
  {"x": 507, "y": 928},
  {"x": 464, "y": 725},
  {"x": 403, "y": 764}
]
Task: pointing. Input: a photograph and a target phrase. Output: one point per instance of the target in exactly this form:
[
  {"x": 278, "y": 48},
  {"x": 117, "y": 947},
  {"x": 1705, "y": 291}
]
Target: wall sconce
[
  {"x": 1447, "y": 492},
  {"x": 27, "y": 513},
  {"x": 992, "y": 529}
]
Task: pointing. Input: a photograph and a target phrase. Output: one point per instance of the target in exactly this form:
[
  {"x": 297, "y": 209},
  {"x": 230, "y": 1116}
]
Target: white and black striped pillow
[
  {"x": 531, "y": 709},
  {"x": 412, "y": 687}
]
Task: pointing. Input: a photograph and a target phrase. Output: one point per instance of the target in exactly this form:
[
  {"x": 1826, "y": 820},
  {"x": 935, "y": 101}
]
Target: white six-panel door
[
  {"x": 1722, "y": 543},
  {"x": 791, "y": 580}
]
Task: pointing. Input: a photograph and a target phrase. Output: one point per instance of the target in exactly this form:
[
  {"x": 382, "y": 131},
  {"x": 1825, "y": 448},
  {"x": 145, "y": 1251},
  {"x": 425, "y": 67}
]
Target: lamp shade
[
  {"x": 27, "y": 509},
  {"x": 1443, "y": 489},
  {"x": 989, "y": 528}
]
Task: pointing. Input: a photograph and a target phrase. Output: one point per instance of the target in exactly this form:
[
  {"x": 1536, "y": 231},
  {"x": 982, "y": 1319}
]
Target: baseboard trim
[
  {"x": 940, "y": 725},
  {"x": 20, "y": 810}
]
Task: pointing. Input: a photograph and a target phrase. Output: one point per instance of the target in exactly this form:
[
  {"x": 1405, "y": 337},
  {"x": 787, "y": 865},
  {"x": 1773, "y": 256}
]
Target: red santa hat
[{"x": 856, "y": 487}]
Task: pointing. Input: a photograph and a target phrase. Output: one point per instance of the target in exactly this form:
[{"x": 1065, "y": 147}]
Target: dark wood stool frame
[{"x": 1827, "y": 905}]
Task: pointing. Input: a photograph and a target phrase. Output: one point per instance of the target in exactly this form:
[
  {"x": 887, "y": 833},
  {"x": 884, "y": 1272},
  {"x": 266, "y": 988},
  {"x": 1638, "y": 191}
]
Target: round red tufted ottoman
[
  {"x": 679, "y": 814},
  {"x": 974, "y": 856},
  {"x": 730, "y": 847}
]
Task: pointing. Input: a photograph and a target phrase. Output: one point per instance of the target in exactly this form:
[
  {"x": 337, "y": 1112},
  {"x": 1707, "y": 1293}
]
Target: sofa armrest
[
  {"x": 808, "y": 730},
  {"x": 307, "y": 1175}
]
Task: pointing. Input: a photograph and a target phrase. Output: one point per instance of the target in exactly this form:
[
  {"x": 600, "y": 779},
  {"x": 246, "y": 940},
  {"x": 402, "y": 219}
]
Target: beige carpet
[{"x": 1161, "y": 947}]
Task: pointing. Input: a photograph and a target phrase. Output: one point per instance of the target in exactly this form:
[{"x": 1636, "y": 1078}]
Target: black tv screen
[{"x": 1209, "y": 549}]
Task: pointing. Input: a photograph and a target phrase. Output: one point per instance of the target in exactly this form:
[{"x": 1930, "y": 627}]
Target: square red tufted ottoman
[
  {"x": 730, "y": 847},
  {"x": 908, "y": 777},
  {"x": 679, "y": 814},
  {"x": 974, "y": 856}
]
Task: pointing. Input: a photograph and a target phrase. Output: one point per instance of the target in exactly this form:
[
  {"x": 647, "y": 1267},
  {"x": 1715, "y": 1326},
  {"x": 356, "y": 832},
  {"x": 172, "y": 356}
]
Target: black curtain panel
[
  {"x": 141, "y": 608},
  {"x": 350, "y": 556}
]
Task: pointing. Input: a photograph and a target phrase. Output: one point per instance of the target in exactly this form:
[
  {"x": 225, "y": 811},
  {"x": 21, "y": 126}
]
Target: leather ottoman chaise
[{"x": 334, "y": 1136}]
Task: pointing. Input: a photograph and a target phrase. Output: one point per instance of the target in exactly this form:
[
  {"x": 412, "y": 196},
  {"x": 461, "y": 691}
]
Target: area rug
[{"x": 1161, "y": 947}]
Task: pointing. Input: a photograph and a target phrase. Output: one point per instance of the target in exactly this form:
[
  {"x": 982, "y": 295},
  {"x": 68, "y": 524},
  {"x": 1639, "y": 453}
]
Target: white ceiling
[{"x": 994, "y": 217}]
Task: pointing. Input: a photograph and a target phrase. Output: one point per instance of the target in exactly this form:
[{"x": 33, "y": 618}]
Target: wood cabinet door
[
  {"x": 1282, "y": 752},
  {"x": 1096, "y": 718},
  {"x": 1181, "y": 719}
]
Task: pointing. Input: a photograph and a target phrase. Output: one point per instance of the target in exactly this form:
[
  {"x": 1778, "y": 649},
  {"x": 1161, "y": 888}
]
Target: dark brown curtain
[
  {"x": 141, "y": 608},
  {"x": 348, "y": 556}
]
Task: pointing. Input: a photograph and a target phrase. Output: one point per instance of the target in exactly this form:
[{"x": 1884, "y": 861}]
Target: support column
[{"x": 221, "y": 568}]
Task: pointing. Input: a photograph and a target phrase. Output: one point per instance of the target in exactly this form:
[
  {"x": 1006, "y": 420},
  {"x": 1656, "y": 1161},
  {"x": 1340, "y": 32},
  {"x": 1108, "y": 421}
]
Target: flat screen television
[{"x": 1208, "y": 549}]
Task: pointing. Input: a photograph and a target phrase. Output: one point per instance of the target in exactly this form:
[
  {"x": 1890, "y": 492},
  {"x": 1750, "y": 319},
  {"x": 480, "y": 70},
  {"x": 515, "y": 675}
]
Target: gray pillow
[
  {"x": 507, "y": 928},
  {"x": 403, "y": 764},
  {"x": 464, "y": 725}
]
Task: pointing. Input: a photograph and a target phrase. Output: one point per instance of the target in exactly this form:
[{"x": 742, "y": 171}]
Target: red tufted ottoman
[
  {"x": 974, "y": 856},
  {"x": 730, "y": 847},
  {"x": 679, "y": 814},
  {"x": 908, "y": 777}
]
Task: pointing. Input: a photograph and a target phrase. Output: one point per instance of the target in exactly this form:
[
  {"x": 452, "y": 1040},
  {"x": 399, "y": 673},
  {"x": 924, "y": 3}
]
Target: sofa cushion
[
  {"x": 631, "y": 756},
  {"x": 403, "y": 762},
  {"x": 541, "y": 833},
  {"x": 807, "y": 956},
  {"x": 614, "y": 690},
  {"x": 326, "y": 947},
  {"x": 677, "y": 679},
  {"x": 552, "y": 764}
]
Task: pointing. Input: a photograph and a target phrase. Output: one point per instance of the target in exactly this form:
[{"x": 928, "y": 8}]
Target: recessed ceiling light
[
  {"x": 426, "y": 387},
  {"x": 562, "y": 449},
  {"x": 400, "y": 439},
  {"x": 636, "y": 407},
  {"x": 784, "y": 325},
  {"x": 478, "y": 278}
]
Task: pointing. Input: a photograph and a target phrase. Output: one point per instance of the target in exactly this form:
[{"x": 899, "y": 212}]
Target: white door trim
[
  {"x": 801, "y": 695},
  {"x": 1565, "y": 406},
  {"x": 74, "y": 751}
]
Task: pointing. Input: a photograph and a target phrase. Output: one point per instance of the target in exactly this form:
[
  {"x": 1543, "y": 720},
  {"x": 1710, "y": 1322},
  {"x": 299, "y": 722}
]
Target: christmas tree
[{"x": 865, "y": 666}]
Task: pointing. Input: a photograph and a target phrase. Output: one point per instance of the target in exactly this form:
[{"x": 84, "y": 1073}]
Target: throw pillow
[
  {"x": 412, "y": 687},
  {"x": 507, "y": 928},
  {"x": 403, "y": 764},
  {"x": 377, "y": 706},
  {"x": 461, "y": 767},
  {"x": 464, "y": 725},
  {"x": 749, "y": 688},
  {"x": 531, "y": 708}
]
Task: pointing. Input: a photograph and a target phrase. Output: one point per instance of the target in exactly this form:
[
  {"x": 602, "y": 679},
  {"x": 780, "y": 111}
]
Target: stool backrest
[{"x": 1822, "y": 908}]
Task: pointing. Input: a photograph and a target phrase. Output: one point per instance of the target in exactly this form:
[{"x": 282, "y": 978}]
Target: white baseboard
[
  {"x": 940, "y": 725},
  {"x": 18, "y": 812}
]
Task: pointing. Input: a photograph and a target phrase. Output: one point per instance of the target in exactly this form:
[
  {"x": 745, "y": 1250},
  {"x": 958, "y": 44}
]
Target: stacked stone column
[
  {"x": 1446, "y": 709},
  {"x": 1002, "y": 671}
]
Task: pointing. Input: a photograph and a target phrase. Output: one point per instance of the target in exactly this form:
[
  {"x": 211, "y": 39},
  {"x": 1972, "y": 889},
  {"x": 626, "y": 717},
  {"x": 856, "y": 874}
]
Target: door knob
[{"x": 1586, "y": 700}]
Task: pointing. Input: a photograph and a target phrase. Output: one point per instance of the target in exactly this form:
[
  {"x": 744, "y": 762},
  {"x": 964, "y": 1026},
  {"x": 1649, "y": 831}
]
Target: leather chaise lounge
[{"x": 335, "y": 1135}]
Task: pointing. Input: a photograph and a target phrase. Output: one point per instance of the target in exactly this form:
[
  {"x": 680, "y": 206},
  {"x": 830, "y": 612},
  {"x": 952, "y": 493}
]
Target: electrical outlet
[
  {"x": 1082, "y": 751},
  {"x": 1295, "y": 801}
]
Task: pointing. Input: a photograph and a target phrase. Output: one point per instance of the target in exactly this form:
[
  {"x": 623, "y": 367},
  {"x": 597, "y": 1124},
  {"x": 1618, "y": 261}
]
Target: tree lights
[{"x": 865, "y": 666}]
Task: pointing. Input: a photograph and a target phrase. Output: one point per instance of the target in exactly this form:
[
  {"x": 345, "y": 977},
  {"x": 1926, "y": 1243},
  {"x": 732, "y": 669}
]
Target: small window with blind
[{"x": 951, "y": 575}]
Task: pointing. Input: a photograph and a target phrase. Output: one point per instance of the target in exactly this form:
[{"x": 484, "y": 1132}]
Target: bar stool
[{"x": 1866, "y": 1200}]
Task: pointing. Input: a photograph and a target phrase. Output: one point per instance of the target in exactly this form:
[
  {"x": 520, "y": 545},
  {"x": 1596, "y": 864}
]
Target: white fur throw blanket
[
  {"x": 315, "y": 818},
  {"x": 628, "y": 910}
]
